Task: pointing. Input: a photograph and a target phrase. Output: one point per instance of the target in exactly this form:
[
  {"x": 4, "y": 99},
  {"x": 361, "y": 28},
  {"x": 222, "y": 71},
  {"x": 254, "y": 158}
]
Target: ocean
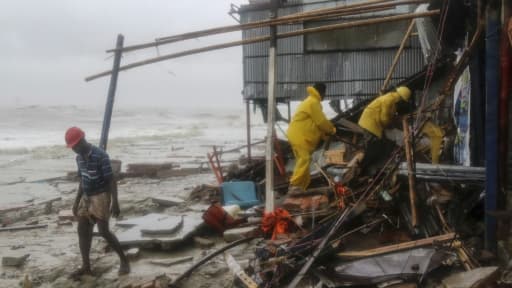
[{"x": 32, "y": 146}]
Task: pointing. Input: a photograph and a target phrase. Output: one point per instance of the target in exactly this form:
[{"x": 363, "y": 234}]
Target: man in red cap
[{"x": 96, "y": 199}]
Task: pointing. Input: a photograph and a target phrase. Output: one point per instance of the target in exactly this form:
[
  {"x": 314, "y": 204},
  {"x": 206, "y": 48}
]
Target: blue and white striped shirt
[{"x": 94, "y": 170}]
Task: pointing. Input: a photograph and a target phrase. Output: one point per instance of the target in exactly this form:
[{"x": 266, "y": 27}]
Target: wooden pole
[
  {"x": 346, "y": 10},
  {"x": 248, "y": 128},
  {"x": 399, "y": 247},
  {"x": 331, "y": 27},
  {"x": 111, "y": 93},
  {"x": 397, "y": 56},
  {"x": 412, "y": 182},
  {"x": 271, "y": 103}
]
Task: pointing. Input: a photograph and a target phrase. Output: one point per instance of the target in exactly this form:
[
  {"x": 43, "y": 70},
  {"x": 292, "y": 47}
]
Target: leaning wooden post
[
  {"x": 412, "y": 182},
  {"x": 397, "y": 56},
  {"x": 271, "y": 103},
  {"x": 111, "y": 92}
]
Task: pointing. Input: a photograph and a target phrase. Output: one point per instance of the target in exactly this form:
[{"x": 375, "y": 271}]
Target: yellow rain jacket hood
[
  {"x": 309, "y": 123},
  {"x": 379, "y": 113}
]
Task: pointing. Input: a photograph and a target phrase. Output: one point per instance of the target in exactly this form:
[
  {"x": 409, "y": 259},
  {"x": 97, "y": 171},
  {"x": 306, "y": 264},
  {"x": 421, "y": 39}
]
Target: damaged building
[{"x": 431, "y": 208}]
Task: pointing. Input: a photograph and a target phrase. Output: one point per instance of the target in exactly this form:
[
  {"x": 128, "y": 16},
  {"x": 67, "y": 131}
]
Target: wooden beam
[
  {"x": 332, "y": 27},
  {"x": 397, "y": 56},
  {"x": 346, "y": 10},
  {"x": 398, "y": 247}
]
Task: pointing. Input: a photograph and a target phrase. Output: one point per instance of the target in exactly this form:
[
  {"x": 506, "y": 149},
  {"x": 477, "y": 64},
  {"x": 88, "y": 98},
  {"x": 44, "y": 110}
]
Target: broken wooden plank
[
  {"x": 239, "y": 272},
  {"x": 6, "y": 209},
  {"x": 172, "y": 261},
  {"x": 148, "y": 169},
  {"x": 399, "y": 247},
  {"x": 26, "y": 227}
]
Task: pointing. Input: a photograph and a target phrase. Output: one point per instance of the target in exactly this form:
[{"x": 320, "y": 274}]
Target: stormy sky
[{"x": 49, "y": 47}]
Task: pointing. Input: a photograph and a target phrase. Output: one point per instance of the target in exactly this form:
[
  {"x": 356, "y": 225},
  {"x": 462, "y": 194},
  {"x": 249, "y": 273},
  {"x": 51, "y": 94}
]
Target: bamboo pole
[
  {"x": 339, "y": 26},
  {"x": 412, "y": 184},
  {"x": 397, "y": 56},
  {"x": 364, "y": 7},
  {"x": 399, "y": 247}
]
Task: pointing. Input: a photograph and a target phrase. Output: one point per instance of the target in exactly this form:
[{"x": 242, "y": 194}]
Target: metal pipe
[
  {"x": 111, "y": 93},
  {"x": 331, "y": 27}
]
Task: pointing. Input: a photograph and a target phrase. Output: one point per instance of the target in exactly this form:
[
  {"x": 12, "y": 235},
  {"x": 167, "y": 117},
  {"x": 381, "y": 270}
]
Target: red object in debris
[
  {"x": 341, "y": 192},
  {"x": 276, "y": 222},
  {"x": 217, "y": 218}
]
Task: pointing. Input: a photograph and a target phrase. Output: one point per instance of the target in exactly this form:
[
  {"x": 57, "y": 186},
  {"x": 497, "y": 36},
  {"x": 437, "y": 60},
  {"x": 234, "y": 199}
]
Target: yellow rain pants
[
  {"x": 435, "y": 134},
  {"x": 307, "y": 127}
]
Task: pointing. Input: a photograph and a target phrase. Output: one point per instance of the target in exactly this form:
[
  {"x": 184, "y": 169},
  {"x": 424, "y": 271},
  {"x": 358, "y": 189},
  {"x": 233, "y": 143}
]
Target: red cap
[{"x": 73, "y": 136}]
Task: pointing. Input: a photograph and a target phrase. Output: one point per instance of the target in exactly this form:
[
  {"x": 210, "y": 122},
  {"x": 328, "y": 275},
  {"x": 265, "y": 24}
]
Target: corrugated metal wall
[{"x": 352, "y": 74}]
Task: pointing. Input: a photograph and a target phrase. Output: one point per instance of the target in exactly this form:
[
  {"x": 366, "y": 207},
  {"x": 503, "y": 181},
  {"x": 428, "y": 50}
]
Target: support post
[
  {"x": 397, "y": 56},
  {"x": 248, "y": 128},
  {"x": 411, "y": 174},
  {"x": 271, "y": 103},
  {"x": 492, "y": 80},
  {"x": 111, "y": 92}
]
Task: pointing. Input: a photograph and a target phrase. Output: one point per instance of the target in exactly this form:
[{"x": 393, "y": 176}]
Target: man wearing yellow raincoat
[
  {"x": 379, "y": 114},
  {"x": 307, "y": 127},
  {"x": 376, "y": 117}
]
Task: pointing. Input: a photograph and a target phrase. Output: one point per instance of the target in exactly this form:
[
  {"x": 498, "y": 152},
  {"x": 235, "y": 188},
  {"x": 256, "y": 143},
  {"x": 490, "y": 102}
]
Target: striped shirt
[{"x": 94, "y": 170}]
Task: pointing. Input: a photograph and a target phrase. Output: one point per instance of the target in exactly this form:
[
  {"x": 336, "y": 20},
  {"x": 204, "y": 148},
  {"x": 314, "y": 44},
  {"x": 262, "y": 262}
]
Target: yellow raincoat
[
  {"x": 436, "y": 134},
  {"x": 379, "y": 113},
  {"x": 307, "y": 127}
]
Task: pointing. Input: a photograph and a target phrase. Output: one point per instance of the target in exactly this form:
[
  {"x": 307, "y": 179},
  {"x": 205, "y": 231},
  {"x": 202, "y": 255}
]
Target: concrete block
[
  {"x": 469, "y": 278},
  {"x": 14, "y": 260},
  {"x": 239, "y": 233},
  {"x": 167, "y": 201},
  {"x": 134, "y": 236},
  {"x": 154, "y": 224},
  {"x": 203, "y": 242},
  {"x": 133, "y": 253},
  {"x": 65, "y": 215}
]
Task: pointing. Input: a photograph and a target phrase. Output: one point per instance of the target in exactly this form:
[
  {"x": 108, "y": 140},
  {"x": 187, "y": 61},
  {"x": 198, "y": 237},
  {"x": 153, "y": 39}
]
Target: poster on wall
[{"x": 461, "y": 116}]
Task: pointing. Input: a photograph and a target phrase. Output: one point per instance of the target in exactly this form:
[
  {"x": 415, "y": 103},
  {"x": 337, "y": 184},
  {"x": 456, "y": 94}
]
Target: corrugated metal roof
[{"x": 351, "y": 74}]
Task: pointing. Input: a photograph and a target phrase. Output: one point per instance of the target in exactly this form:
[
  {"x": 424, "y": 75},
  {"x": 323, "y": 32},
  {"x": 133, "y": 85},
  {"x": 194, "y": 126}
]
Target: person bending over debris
[
  {"x": 377, "y": 116},
  {"x": 307, "y": 127},
  {"x": 95, "y": 200}
]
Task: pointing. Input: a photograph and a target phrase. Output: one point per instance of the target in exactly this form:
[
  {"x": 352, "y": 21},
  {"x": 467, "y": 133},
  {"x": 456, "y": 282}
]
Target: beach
[{"x": 35, "y": 164}]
